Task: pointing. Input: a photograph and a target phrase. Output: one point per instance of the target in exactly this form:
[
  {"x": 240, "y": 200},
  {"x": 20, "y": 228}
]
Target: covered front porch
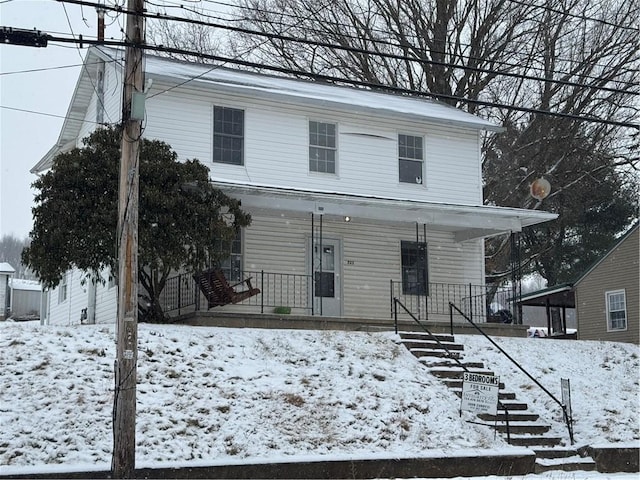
[{"x": 336, "y": 255}]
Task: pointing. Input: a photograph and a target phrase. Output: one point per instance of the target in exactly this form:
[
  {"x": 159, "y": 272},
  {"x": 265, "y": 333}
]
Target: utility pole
[{"x": 124, "y": 422}]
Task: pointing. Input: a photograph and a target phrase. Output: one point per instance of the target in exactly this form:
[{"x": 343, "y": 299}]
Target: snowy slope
[{"x": 213, "y": 394}]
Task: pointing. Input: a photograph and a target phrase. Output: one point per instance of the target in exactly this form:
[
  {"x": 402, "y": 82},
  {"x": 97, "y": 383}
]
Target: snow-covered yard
[{"x": 210, "y": 394}]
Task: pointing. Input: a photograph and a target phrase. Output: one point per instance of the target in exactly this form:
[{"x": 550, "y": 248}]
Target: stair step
[
  {"x": 513, "y": 417},
  {"x": 522, "y": 427},
  {"x": 431, "y": 345},
  {"x": 558, "y": 452},
  {"x": 512, "y": 406},
  {"x": 427, "y": 353},
  {"x": 456, "y": 372},
  {"x": 501, "y": 395},
  {"x": 567, "y": 464},
  {"x": 457, "y": 383},
  {"x": 530, "y": 441},
  {"x": 450, "y": 363},
  {"x": 426, "y": 336}
]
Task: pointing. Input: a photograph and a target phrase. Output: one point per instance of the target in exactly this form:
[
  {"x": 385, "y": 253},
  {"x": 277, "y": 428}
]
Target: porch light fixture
[{"x": 347, "y": 218}]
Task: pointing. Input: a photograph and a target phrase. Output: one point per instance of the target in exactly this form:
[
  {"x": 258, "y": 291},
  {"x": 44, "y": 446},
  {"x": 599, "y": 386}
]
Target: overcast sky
[{"x": 26, "y": 136}]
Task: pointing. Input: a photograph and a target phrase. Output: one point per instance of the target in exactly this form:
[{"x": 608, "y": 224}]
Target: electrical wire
[
  {"x": 360, "y": 50},
  {"x": 95, "y": 89},
  {"x": 338, "y": 80},
  {"x": 572, "y": 15},
  {"x": 299, "y": 19}
]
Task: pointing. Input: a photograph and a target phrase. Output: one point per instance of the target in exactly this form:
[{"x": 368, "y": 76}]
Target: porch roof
[
  {"x": 466, "y": 222},
  {"x": 557, "y": 296}
]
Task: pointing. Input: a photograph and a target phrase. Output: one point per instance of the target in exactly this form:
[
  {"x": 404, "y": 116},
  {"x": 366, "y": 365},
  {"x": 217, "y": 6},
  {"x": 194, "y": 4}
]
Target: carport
[{"x": 555, "y": 300}]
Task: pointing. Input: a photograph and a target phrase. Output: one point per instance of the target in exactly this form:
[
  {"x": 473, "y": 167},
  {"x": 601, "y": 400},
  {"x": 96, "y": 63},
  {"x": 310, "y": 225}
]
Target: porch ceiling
[{"x": 466, "y": 222}]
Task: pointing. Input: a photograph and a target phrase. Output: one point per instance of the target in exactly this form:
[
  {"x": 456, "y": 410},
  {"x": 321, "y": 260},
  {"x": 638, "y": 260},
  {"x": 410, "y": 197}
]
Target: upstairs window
[
  {"x": 415, "y": 274},
  {"x": 411, "y": 159},
  {"x": 322, "y": 147},
  {"x": 616, "y": 310},
  {"x": 228, "y": 135}
]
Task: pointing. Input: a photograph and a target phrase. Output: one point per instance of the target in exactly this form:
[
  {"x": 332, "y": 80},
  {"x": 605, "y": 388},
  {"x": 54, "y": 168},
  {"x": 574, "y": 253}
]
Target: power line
[
  {"x": 95, "y": 89},
  {"x": 362, "y": 51},
  {"x": 44, "y": 114},
  {"x": 346, "y": 35},
  {"x": 379, "y": 30},
  {"x": 34, "y": 70},
  {"x": 358, "y": 83},
  {"x": 522, "y": 3},
  {"x": 573, "y": 15}
]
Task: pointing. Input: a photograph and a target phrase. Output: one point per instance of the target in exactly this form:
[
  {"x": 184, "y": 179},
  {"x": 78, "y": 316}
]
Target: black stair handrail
[
  {"x": 452, "y": 307},
  {"x": 397, "y": 302}
]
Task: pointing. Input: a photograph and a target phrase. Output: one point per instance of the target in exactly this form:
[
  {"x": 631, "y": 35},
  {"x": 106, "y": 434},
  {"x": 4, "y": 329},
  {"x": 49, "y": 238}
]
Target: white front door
[{"x": 327, "y": 275}]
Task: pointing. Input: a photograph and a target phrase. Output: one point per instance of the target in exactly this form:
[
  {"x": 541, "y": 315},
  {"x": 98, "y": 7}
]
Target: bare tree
[{"x": 577, "y": 58}]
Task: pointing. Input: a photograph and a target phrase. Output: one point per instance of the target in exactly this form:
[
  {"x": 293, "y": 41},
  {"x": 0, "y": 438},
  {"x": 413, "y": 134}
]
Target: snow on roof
[
  {"x": 282, "y": 89},
  {"x": 6, "y": 268},
  {"x": 307, "y": 91},
  {"x": 23, "y": 284}
]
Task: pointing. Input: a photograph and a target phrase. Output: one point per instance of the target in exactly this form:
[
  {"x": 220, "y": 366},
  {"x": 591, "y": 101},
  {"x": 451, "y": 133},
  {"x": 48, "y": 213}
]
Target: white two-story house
[{"x": 369, "y": 194}]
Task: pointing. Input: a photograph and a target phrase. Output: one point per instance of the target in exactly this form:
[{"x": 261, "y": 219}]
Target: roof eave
[{"x": 466, "y": 222}]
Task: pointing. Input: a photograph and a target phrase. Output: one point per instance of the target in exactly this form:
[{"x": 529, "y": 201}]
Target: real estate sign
[{"x": 480, "y": 393}]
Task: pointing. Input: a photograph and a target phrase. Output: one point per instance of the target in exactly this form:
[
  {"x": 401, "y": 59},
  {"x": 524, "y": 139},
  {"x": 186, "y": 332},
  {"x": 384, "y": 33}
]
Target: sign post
[{"x": 565, "y": 388}]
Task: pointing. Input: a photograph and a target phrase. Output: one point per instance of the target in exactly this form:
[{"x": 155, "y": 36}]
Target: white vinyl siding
[
  {"x": 69, "y": 311},
  {"x": 106, "y": 304},
  {"x": 370, "y": 256},
  {"x": 277, "y": 147}
]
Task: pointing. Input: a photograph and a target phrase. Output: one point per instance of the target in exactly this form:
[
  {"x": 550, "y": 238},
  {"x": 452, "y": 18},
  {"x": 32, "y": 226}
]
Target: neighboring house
[
  {"x": 608, "y": 294},
  {"x": 6, "y": 272},
  {"x": 24, "y": 299},
  {"x": 366, "y": 192},
  {"x": 606, "y": 297}
]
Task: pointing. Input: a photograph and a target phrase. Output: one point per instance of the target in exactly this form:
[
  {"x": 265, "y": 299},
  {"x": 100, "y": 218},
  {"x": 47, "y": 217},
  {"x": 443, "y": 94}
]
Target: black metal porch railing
[
  {"x": 291, "y": 291},
  {"x": 474, "y": 300}
]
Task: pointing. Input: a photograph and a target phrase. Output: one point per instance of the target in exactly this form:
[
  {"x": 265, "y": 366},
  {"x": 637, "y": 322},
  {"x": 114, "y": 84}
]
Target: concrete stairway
[{"x": 525, "y": 427}]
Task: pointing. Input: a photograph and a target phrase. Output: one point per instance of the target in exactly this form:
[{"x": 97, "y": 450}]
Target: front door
[{"x": 327, "y": 275}]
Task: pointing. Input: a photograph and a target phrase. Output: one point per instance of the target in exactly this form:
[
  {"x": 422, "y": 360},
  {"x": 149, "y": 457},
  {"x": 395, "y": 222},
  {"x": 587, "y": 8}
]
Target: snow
[
  {"x": 289, "y": 89},
  {"x": 219, "y": 396},
  {"x": 23, "y": 284}
]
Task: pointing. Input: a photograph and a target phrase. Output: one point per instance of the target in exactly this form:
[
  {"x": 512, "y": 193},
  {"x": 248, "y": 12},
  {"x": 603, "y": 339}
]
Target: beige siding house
[
  {"x": 607, "y": 296},
  {"x": 355, "y": 195}
]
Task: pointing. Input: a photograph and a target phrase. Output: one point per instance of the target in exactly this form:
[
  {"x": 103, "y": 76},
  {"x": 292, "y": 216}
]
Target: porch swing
[{"x": 219, "y": 292}]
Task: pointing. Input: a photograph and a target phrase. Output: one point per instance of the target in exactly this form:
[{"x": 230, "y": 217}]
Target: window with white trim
[
  {"x": 616, "y": 310},
  {"x": 231, "y": 253},
  {"x": 228, "y": 135},
  {"x": 322, "y": 147},
  {"x": 411, "y": 159},
  {"x": 62, "y": 289}
]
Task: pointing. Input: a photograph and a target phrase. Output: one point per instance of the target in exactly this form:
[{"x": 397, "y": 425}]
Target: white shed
[{"x": 6, "y": 272}]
